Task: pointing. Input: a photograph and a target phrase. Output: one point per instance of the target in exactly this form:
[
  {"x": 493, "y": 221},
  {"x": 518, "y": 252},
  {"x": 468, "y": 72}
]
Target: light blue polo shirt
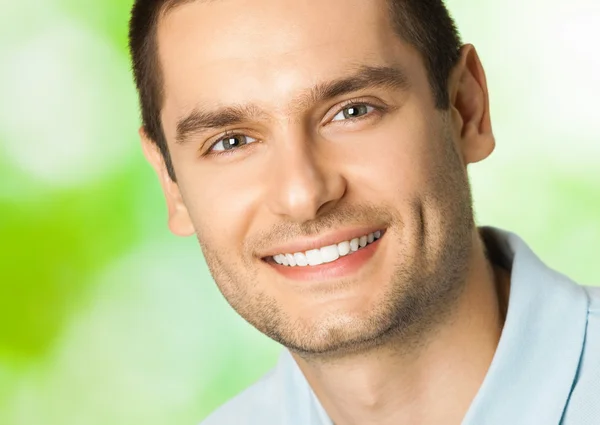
[{"x": 546, "y": 370}]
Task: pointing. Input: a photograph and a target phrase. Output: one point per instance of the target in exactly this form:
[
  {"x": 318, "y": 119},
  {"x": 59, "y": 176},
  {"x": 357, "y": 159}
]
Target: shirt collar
[
  {"x": 536, "y": 360},
  {"x": 300, "y": 404},
  {"x": 541, "y": 344}
]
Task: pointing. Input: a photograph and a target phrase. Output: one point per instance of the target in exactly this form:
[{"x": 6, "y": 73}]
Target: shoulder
[
  {"x": 584, "y": 402},
  {"x": 281, "y": 397},
  {"x": 593, "y": 322},
  {"x": 255, "y": 405},
  {"x": 593, "y": 293}
]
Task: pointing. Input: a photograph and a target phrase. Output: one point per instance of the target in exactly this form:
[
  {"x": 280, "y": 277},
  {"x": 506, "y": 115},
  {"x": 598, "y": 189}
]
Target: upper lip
[{"x": 306, "y": 244}]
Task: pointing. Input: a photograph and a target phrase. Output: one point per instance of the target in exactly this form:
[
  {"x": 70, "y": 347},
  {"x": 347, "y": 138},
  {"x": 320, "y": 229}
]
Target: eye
[
  {"x": 231, "y": 142},
  {"x": 353, "y": 111}
]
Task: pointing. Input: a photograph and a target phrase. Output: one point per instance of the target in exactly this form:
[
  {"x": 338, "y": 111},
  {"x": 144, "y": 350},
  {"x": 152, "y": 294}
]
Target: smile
[{"x": 326, "y": 254}]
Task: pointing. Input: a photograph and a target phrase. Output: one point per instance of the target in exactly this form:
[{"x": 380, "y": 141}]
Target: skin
[{"x": 409, "y": 337}]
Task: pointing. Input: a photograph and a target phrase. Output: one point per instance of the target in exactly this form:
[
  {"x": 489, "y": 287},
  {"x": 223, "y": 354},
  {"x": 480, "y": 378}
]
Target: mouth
[{"x": 332, "y": 261}]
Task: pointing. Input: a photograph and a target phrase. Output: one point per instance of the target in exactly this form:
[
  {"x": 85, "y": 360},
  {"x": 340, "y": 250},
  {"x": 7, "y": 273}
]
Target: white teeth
[
  {"x": 362, "y": 241},
  {"x": 344, "y": 248},
  {"x": 300, "y": 259},
  {"x": 329, "y": 253},
  {"x": 314, "y": 257},
  {"x": 291, "y": 260}
]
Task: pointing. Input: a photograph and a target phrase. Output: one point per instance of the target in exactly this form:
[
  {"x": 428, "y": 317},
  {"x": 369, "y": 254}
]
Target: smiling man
[{"x": 319, "y": 150}]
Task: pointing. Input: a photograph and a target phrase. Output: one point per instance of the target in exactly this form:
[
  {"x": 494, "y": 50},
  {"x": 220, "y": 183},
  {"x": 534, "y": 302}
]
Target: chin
[{"x": 336, "y": 332}]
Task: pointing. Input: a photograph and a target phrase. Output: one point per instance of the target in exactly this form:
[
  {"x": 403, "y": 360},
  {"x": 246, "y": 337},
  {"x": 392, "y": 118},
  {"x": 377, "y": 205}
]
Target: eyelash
[
  {"x": 357, "y": 102},
  {"x": 346, "y": 104},
  {"x": 227, "y": 134}
]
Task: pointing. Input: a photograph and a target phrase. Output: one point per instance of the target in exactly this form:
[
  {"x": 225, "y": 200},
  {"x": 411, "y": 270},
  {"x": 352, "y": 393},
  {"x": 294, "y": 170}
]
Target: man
[{"x": 318, "y": 150}]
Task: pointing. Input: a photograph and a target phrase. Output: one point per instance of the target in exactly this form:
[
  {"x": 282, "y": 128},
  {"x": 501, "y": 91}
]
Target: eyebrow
[
  {"x": 199, "y": 120},
  {"x": 365, "y": 77}
]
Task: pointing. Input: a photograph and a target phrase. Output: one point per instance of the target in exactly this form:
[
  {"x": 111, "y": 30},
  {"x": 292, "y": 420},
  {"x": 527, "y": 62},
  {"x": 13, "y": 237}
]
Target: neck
[{"x": 431, "y": 382}]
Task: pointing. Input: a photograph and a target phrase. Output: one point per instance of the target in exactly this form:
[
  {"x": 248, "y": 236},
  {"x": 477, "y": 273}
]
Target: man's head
[
  {"x": 297, "y": 125},
  {"x": 425, "y": 24}
]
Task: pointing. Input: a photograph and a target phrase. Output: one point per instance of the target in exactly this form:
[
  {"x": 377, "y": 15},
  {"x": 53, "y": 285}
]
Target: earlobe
[
  {"x": 179, "y": 219},
  {"x": 470, "y": 107}
]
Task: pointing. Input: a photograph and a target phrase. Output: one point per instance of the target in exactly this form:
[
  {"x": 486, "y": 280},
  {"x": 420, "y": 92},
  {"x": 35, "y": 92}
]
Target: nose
[{"x": 304, "y": 183}]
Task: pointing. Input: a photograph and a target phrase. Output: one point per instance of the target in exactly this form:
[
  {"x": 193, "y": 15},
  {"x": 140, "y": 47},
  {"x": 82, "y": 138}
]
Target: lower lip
[{"x": 342, "y": 267}]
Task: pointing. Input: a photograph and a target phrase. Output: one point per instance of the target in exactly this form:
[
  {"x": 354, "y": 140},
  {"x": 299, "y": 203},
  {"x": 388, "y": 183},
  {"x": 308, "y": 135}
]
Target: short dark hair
[{"x": 425, "y": 24}]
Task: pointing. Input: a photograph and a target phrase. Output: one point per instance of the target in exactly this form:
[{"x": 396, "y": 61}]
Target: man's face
[{"x": 299, "y": 125}]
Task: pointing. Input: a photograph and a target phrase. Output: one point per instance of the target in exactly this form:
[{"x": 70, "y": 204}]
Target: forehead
[{"x": 265, "y": 51}]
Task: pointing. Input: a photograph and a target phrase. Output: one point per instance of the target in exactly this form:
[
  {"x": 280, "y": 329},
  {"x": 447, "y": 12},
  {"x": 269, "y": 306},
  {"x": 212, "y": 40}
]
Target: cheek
[
  {"x": 396, "y": 161},
  {"x": 221, "y": 206}
]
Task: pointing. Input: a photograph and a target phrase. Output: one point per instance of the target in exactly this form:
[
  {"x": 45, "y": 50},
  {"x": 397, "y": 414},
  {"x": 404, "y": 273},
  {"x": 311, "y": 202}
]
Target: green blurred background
[{"x": 105, "y": 318}]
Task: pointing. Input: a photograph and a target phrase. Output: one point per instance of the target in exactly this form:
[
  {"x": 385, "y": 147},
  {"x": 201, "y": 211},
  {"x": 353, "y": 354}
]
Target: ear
[
  {"x": 469, "y": 104},
  {"x": 179, "y": 219}
]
